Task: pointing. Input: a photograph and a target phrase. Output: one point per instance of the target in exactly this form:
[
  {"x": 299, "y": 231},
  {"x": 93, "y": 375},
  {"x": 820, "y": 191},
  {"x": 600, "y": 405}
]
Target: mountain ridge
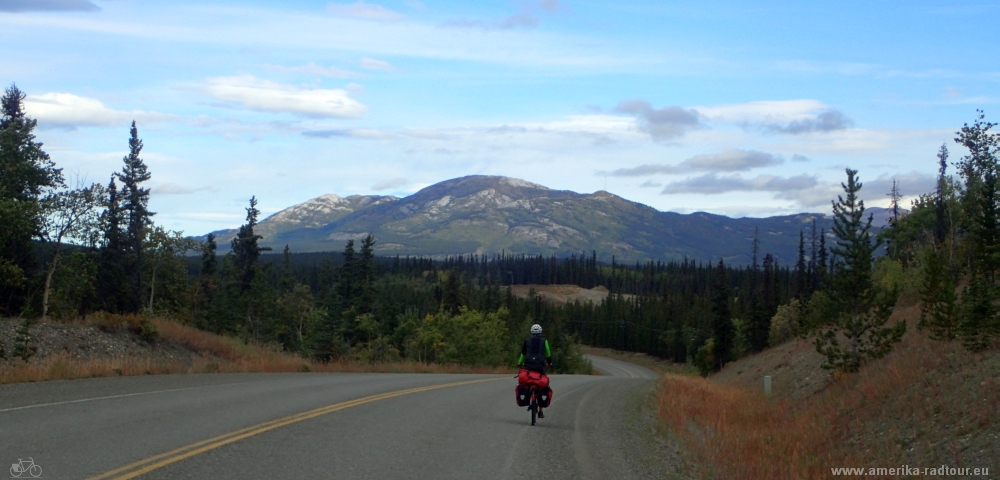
[{"x": 488, "y": 214}]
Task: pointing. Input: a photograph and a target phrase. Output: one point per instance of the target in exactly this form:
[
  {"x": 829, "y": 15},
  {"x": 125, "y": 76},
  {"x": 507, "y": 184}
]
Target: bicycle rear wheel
[{"x": 534, "y": 407}]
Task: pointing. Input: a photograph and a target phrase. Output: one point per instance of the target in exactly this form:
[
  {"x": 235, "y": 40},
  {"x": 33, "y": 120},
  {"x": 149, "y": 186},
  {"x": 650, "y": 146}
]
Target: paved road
[{"x": 316, "y": 425}]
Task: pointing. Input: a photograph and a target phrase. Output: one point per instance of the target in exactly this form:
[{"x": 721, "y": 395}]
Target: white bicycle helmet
[{"x": 536, "y": 329}]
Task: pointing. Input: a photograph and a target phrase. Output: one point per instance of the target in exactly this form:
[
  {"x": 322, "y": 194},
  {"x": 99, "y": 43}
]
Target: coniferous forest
[{"x": 69, "y": 250}]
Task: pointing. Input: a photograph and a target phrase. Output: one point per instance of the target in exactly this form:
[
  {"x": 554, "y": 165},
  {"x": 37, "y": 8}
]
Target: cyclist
[{"x": 536, "y": 354}]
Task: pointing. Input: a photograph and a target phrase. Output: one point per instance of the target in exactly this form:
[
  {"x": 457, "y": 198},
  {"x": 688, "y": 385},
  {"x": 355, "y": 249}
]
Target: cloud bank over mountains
[{"x": 361, "y": 96}]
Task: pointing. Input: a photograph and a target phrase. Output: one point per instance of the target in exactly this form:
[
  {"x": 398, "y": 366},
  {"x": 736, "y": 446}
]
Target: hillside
[
  {"x": 489, "y": 214},
  {"x": 928, "y": 403}
]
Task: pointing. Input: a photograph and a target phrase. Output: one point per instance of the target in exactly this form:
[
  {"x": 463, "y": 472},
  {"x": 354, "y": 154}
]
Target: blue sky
[{"x": 737, "y": 108}]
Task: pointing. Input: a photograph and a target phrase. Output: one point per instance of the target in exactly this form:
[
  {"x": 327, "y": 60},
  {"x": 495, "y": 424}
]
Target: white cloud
[
  {"x": 360, "y": 9},
  {"x": 389, "y": 184},
  {"x": 263, "y": 95},
  {"x": 769, "y": 111},
  {"x": 732, "y": 160},
  {"x": 372, "y": 64},
  {"x": 320, "y": 71},
  {"x": 171, "y": 188},
  {"x": 661, "y": 123},
  {"x": 70, "y": 111},
  {"x": 713, "y": 184}
]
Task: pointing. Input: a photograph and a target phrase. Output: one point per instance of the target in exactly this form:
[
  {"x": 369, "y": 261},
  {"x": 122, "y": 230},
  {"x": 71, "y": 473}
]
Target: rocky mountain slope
[{"x": 489, "y": 214}]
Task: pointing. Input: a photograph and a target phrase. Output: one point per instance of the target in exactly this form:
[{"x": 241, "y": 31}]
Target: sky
[{"x": 731, "y": 107}]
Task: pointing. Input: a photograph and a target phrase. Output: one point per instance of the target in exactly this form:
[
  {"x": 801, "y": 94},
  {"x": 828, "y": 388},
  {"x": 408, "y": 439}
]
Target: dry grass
[
  {"x": 210, "y": 353},
  {"x": 928, "y": 403}
]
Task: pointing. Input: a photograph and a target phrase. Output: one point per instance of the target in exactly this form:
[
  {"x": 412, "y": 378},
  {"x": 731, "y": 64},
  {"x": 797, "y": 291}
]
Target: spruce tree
[
  {"x": 111, "y": 277},
  {"x": 26, "y": 173},
  {"x": 723, "y": 332},
  {"x": 940, "y": 222},
  {"x": 138, "y": 217},
  {"x": 864, "y": 310},
  {"x": 246, "y": 252},
  {"x": 938, "y": 309},
  {"x": 978, "y": 322},
  {"x": 801, "y": 269},
  {"x": 366, "y": 275}
]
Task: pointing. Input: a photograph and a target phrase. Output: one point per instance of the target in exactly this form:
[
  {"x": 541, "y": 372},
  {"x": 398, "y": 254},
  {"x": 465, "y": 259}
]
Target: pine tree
[
  {"x": 26, "y": 173},
  {"x": 822, "y": 260},
  {"x": 864, "y": 312},
  {"x": 894, "y": 197},
  {"x": 978, "y": 321},
  {"x": 940, "y": 222},
  {"x": 138, "y": 217},
  {"x": 723, "y": 332},
  {"x": 366, "y": 275},
  {"x": 979, "y": 168},
  {"x": 801, "y": 270},
  {"x": 111, "y": 281},
  {"x": 246, "y": 252},
  {"x": 938, "y": 309}
]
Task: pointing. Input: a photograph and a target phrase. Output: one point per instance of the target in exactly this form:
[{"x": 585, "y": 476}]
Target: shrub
[{"x": 785, "y": 324}]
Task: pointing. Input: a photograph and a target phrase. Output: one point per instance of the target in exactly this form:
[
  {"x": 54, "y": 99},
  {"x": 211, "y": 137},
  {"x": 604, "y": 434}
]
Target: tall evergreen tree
[
  {"x": 366, "y": 275},
  {"x": 723, "y": 332},
  {"x": 111, "y": 284},
  {"x": 246, "y": 252},
  {"x": 26, "y": 173},
  {"x": 940, "y": 223},
  {"x": 801, "y": 269},
  {"x": 938, "y": 308},
  {"x": 864, "y": 311},
  {"x": 138, "y": 217}
]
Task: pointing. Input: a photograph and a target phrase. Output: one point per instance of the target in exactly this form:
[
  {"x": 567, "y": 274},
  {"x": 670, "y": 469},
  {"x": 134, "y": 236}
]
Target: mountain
[{"x": 488, "y": 214}]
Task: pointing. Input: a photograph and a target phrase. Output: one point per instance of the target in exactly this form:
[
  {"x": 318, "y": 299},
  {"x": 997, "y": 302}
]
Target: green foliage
[
  {"x": 26, "y": 174},
  {"x": 24, "y": 341},
  {"x": 786, "y": 323},
  {"x": 469, "y": 338},
  {"x": 939, "y": 304},
  {"x": 723, "y": 332},
  {"x": 137, "y": 220},
  {"x": 978, "y": 322},
  {"x": 246, "y": 252},
  {"x": 704, "y": 359},
  {"x": 890, "y": 274},
  {"x": 74, "y": 285},
  {"x": 863, "y": 308}
]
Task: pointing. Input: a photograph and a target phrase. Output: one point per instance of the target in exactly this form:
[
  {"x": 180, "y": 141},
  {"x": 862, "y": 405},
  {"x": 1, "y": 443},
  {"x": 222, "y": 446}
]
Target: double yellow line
[{"x": 147, "y": 465}]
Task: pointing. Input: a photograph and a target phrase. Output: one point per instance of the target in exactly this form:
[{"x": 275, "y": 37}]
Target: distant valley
[{"x": 489, "y": 214}]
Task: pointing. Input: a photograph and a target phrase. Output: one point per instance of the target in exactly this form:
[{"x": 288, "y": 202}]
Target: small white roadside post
[{"x": 767, "y": 385}]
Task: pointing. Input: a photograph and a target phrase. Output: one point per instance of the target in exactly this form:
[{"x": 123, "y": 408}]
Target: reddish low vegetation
[
  {"x": 927, "y": 404},
  {"x": 190, "y": 351}
]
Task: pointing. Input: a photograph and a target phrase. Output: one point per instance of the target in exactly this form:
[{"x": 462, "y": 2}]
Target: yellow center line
[{"x": 147, "y": 465}]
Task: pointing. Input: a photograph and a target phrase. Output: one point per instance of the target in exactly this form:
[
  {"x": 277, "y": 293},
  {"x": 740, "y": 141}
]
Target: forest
[{"x": 72, "y": 250}]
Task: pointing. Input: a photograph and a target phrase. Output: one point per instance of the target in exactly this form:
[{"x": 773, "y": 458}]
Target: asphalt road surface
[{"x": 325, "y": 425}]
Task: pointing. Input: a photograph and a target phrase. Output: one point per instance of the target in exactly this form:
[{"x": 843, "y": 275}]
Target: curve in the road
[{"x": 253, "y": 426}]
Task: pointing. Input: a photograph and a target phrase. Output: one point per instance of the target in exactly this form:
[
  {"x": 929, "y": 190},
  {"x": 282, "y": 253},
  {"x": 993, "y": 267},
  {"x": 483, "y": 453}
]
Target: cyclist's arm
[
  {"x": 548, "y": 353},
  {"x": 520, "y": 359},
  {"x": 524, "y": 350}
]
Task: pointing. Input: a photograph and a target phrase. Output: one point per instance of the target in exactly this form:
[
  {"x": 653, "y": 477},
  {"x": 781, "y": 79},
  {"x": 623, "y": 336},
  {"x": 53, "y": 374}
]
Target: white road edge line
[{"x": 110, "y": 396}]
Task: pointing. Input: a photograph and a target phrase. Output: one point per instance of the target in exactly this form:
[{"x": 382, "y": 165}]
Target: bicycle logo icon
[{"x": 22, "y": 467}]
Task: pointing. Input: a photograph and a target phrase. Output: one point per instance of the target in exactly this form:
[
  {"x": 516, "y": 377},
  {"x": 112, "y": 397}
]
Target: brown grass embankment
[
  {"x": 206, "y": 353},
  {"x": 926, "y": 404}
]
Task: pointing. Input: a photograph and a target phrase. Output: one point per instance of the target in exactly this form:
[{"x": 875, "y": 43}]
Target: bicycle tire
[
  {"x": 35, "y": 471},
  {"x": 534, "y": 406},
  {"x": 14, "y": 474}
]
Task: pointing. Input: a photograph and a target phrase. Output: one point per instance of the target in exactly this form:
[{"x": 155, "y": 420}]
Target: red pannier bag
[
  {"x": 536, "y": 379},
  {"x": 522, "y": 395},
  {"x": 544, "y": 397}
]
